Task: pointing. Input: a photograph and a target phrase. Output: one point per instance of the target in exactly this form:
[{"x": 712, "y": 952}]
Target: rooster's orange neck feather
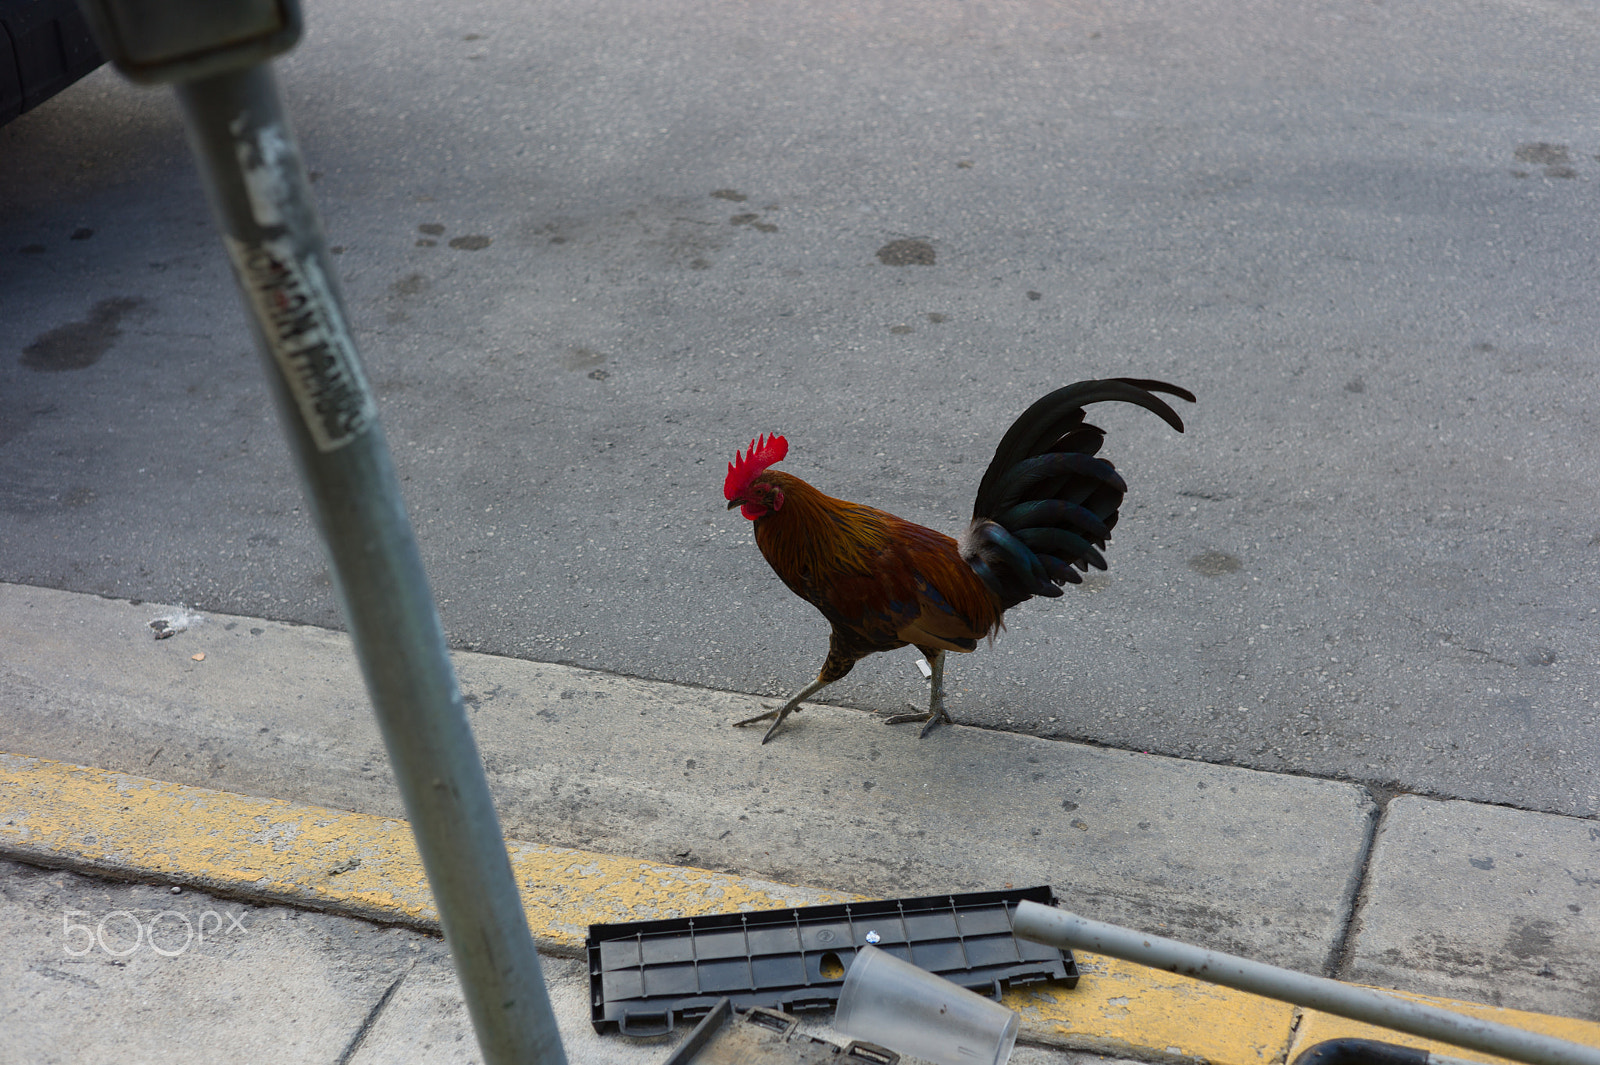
[{"x": 814, "y": 531}]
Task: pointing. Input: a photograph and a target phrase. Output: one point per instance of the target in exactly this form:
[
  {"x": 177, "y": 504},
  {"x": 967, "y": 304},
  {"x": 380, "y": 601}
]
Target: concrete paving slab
[
  {"x": 98, "y": 971},
  {"x": 427, "y": 1020},
  {"x": 1244, "y": 861},
  {"x": 1485, "y": 903},
  {"x": 266, "y": 983}
]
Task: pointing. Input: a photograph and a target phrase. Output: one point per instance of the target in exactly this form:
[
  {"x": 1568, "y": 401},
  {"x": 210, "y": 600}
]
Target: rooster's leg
[
  {"x": 786, "y": 709},
  {"x": 936, "y": 711},
  {"x": 843, "y": 653}
]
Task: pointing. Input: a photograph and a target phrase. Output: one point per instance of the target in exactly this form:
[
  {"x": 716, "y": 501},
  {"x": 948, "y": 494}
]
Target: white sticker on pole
[
  {"x": 295, "y": 310},
  {"x": 266, "y": 160}
]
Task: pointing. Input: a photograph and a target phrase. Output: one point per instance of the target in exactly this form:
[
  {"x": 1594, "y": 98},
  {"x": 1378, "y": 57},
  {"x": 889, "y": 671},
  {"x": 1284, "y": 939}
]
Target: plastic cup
[{"x": 894, "y": 1003}]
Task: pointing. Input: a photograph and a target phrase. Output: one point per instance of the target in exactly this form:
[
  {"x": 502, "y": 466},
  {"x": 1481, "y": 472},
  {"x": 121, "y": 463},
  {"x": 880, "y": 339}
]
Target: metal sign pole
[{"x": 216, "y": 54}]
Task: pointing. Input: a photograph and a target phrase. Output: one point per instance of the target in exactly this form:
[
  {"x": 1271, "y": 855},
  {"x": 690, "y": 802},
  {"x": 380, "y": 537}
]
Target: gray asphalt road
[{"x": 593, "y": 249}]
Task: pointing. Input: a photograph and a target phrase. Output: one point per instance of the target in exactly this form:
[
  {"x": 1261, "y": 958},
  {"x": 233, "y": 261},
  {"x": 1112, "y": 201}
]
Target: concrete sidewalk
[{"x": 238, "y": 758}]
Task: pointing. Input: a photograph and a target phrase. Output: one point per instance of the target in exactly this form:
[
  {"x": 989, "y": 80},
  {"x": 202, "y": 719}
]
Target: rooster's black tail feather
[{"x": 1047, "y": 503}]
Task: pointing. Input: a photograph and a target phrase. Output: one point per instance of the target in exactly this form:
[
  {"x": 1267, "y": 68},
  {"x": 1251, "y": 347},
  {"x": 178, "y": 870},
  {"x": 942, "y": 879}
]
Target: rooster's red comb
[{"x": 764, "y": 451}]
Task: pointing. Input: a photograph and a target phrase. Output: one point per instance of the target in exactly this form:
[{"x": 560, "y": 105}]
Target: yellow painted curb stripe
[
  {"x": 1316, "y": 1027},
  {"x": 1122, "y": 1008},
  {"x": 59, "y": 814}
]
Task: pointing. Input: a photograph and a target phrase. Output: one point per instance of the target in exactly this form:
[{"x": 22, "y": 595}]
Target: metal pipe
[
  {"x": 1058, "y": 928},
  {"x": 261, "y": 199}
]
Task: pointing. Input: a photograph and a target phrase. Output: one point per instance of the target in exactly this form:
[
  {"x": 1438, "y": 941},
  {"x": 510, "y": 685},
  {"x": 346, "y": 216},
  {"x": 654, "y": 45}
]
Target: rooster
[{"x": 1045, "y": 507}]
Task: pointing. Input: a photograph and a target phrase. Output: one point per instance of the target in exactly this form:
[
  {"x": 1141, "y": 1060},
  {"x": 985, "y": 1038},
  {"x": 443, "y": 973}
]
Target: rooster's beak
[{"x": 735, "y": 503}]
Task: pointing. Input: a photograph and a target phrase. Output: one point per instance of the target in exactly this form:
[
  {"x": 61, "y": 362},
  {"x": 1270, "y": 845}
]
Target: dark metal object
[
  {"x": 1062, "y": 929},
  {"x": 45, "y": 45},
  {"x": 767, "y": 1037},
  {"x": 260, "y": 196},
  {"x": 646, "y": 976},
  {"x": 1360, "y": 1052}
]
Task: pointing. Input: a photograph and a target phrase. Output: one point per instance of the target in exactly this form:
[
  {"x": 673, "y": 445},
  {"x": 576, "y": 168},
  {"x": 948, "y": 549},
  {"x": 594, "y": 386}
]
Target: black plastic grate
[{"x": 645, "y": 976}]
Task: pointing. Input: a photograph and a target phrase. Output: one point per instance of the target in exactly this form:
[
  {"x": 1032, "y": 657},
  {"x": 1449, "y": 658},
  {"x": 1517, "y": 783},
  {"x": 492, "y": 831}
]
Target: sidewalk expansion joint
[
  {"x": 1355, "y": 895},
  {"x": 370, "y": 1020}
]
